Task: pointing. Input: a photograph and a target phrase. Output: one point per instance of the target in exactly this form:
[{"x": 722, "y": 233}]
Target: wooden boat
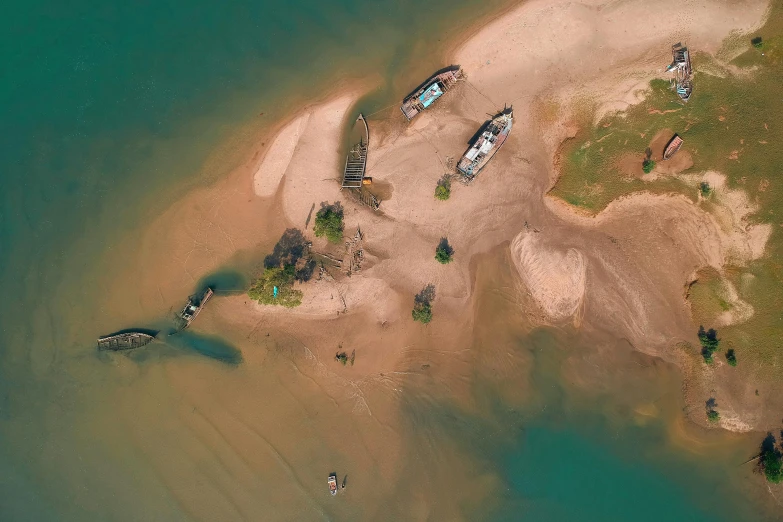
[
  {"x": 674, "y": 145},
  {"x": 486, "y": 145},
  {"x": 428, "y": 92},
  {"x": 194, "y": 307},
  {"x": 332, "y": 481},
  {"x": 124, "y": 341}
]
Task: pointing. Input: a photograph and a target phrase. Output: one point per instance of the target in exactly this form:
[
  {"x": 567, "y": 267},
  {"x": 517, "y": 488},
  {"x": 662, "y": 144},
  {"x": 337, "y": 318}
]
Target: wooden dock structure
[{"x": 356, "y": 162}]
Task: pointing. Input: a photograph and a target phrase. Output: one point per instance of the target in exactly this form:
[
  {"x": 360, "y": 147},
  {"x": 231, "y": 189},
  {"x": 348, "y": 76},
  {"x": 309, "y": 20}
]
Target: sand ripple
[{"x": 554, "y": 276}]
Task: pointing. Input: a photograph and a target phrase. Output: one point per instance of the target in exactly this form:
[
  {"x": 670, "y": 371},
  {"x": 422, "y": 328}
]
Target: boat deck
[
  {"x": 435, "y": 87},
  {"x": 124, "y": 341},
  {"x": 356, "y": 162}
]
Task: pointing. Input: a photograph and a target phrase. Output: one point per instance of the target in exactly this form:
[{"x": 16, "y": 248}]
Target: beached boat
[
  {"x": 486, "y": 145},
  {"x": 674, "y": 145},
  {"x": 428, "y": 92},
  {"x": 332, "y": 481},
  {"x": 124, "y": 341},
  {"x": 194, "y": 307}
]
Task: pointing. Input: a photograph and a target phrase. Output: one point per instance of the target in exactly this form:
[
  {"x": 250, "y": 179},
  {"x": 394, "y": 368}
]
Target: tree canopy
[{"x": 329, "y": 222}]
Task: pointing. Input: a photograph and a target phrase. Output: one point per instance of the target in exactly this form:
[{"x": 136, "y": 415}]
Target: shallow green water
[{"x": 109, "y": 111}]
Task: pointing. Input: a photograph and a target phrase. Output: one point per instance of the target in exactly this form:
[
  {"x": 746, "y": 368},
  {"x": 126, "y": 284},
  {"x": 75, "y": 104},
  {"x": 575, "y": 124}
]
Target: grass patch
[{"x": 733, "y": 124}]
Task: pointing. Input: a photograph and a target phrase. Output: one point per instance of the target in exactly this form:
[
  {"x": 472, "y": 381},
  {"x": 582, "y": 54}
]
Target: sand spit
[
  {"x": 278, "y": 156},
  {"x": 555, "y": 278}
]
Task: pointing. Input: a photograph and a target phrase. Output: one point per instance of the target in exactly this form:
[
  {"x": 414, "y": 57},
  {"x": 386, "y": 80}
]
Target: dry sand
[{"x": 622, "y": 272}]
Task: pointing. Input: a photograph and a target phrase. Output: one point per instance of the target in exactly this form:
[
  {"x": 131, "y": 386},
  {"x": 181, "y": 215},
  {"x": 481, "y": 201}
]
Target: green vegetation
[
  {"x": 757, "y": 42},
  {"x": 648, "y": 165},
  {"x": 709, "y": 343},
  {"x": 422, "y": 304},
  {"x": 262, "y": 289},
  {"x": 712, "y": 415},
  {"x": 343, "y": 357},
  {"x": 731, "y": 358},
  {"x": 770, "y": 460},
  {"x": 443, "y": 188},
  {"x": 329, "y": 222},
  {"x": 728, "y": 112},
  {"x": 289, "y": 262},
  {"x": 443, "y": 252}
]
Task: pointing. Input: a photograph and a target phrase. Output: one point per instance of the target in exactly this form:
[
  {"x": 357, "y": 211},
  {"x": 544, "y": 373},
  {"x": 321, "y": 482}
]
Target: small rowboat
[
  {"x": 674, "y": 145},
  {"x": 332, "y": 484}
]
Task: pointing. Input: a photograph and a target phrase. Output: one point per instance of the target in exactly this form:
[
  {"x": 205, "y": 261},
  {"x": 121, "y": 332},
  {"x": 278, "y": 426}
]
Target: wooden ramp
[{"x": 356, "y": 162}]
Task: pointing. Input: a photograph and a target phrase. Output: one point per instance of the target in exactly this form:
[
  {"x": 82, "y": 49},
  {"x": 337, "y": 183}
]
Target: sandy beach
[{"x": 622, "y": 272}]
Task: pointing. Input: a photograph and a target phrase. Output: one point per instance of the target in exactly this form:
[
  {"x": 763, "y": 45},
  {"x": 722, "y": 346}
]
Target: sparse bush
[
  {"x": 705, "y": 189},
  {"x": 443, "y": 188},
  {"x": 731, "y": 357},
  {"x": 443, "y": 252},
  {"x": 713, "y": 416},
  {"x": 648, "y": 165},
  {"x": 329, "y": 222},
  {"x": 757, "y": 42}
]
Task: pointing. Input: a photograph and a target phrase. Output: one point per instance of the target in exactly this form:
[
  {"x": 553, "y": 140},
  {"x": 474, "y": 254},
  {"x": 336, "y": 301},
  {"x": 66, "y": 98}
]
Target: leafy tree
[
  {"x": 329, "y": 222},
  {"x": 648, "y": 165},
  {"x": 443, "y": 188},
  {"x": 263, "y": 288},
  {"x": 422, "y": 304},
  {"x": 757, "y": 42},
  {"x": 713, "y": 416},
  {"x": 731, "y": 357},
  {"x": 444, "y": 253},
  {"x": 705, "y": 189}
]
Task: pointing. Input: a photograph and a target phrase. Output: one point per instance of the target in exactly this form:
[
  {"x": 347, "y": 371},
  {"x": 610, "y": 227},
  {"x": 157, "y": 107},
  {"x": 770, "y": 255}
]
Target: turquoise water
[{"x": 110, "y": 111}]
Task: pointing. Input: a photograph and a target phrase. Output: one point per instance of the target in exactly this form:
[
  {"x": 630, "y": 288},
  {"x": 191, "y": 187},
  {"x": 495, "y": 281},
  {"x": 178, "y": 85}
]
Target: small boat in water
[
  {"x": 124, "y": 341},
  {"x": 486, "y": 145},
  {"x": 673, "y": 146},
  {"x": 194, "y": 307},
  {"x": 332, "y": 480}
]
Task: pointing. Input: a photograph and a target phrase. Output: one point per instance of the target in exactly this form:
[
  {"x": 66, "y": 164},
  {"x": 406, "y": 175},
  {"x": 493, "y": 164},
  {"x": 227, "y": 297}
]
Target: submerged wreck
[
  {"x": 681, "y": 66},
  {"x": 486, "y": 144},
  {"x": 125, "y": 340},
  {"x": 430, "y": 91},
  {"x": 193, "y": 308}
]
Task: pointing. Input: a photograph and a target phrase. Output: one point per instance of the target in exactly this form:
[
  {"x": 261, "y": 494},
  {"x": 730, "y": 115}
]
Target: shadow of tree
[{"x": 427, "y": 295}]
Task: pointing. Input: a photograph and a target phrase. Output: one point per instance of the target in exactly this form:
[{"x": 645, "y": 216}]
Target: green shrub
[
  {"x": 329, "y": 222},
  {"x": 773, "y": 465},
  {"x": 709, "y": 343},
  {"x": 757, "y": 42},
  {"x": 648, "y": 165},
  {"x": 422, "y": 312},
  {"x": 713, "y": 416},
  {"x": 263, "y": 288},
  {"x": 731, "y": 357},
  {"x": 443, "y": 252},
  {"x": 443, "y": 188},
  {"x": 422, "y": 304},
  {"x": 705, "y": 189}
]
